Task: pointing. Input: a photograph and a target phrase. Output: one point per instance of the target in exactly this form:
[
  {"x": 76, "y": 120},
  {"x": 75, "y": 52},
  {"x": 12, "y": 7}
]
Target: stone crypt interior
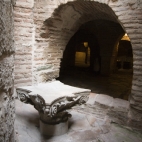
[
  {"x": 87, "y": 52},
  {"x": 82, "y": 66}
]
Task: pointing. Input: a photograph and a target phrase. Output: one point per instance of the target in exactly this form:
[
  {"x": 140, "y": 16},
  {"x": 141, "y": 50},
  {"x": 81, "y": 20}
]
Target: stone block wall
[
  {"x": 24, "y": 41},
  {"x": 129, "y": 14},
  {"x": 48, "y": 51},
  {"x": 7, "y": 108},
  {"x": 54, "y": 22}
]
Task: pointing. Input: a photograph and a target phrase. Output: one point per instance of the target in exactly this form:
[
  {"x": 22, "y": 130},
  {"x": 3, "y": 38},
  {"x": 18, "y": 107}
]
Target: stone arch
[
  {"x": 103, "y": 49},
  {"x": 55, "y": 34},
  {"x": 58, "y": 29}
]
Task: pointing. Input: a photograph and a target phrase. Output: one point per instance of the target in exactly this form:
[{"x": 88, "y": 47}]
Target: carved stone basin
[{"x": 52, "y": 99}]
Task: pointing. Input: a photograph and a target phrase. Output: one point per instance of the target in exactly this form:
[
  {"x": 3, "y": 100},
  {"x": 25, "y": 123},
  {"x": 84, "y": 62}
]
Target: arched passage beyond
[
  {"x": 101, "y": 36},
  {"x": 58, "y": 28},
  {"x": 66, "y": 20}
]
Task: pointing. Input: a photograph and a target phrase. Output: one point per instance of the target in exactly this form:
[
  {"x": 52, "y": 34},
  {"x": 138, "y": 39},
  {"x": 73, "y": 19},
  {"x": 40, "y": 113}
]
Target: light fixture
[{"x": 85, "y": 44}]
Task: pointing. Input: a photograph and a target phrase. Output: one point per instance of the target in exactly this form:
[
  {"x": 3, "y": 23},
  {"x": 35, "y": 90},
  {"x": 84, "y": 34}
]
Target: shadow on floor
[{"x": 117, "y": 85}]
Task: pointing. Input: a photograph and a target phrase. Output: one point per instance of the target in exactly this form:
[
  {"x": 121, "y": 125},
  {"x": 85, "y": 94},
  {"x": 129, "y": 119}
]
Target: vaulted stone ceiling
[
  {"x": 95, "y": 25},
  {"x": 73, "y": 14}
]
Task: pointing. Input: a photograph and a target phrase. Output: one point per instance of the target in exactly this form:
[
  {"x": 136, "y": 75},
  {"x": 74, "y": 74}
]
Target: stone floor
[
  {"x": 117, "y": 85},
  {"x": 89, "y": 123},
  {"x": 92, "y": 122}
]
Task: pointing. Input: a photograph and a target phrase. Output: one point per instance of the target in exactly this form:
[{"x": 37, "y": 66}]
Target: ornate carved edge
[{"x": 54, "y": 112}]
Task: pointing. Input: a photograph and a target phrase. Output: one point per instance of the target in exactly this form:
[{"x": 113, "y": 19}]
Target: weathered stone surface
[
  {"x": 103, "y": 131},
  {"x": 92, "y": 98},
  {"x": 103, "y": 100},
  {"x": 7, "y": 108},
  {"x": 23, "y": 21},
  {"x": 52, "y": 100},
  {"x": 120, "y": 105},
  {"x": 78, "y": 122},
  {"x": 53, "y": 130}
]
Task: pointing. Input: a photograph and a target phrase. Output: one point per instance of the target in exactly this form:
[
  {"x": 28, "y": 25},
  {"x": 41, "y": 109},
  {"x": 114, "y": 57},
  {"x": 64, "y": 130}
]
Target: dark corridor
[
  {"x": 101, "y": 40},
  {"x": 117, "y": 85}
]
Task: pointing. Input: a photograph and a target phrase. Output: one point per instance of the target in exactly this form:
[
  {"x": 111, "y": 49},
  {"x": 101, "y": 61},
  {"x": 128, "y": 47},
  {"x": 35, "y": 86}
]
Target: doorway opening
[{"x": 85, "y": 60}]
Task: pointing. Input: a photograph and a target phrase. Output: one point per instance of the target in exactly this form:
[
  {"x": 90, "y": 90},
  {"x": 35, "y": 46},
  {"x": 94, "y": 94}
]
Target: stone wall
[
  {"x": 54, "y": 22},
  {"x": 24, "y": 41},
  {"x": 47, "y": 54},
  {"x": 7, "y": 108}
]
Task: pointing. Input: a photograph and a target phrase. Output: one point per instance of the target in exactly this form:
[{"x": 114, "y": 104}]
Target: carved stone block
[{"x": 52, "y": 99}]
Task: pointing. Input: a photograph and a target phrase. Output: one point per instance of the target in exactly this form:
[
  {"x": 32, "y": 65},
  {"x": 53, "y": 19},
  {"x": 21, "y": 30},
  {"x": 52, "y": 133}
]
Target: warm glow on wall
[
  {"x": 125, "y": 37},
  {"x": 85, "y": 44},
  {"x": 82, "y": 57}
]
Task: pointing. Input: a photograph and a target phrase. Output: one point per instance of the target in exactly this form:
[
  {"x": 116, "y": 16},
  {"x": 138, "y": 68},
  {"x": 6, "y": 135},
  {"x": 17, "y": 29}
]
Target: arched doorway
[
  {"x": 66, "y": 20},
  {"x": 103, "y": 76}
]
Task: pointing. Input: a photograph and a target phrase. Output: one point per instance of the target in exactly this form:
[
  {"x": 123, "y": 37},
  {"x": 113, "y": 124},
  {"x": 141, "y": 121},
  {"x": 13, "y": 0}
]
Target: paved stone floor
[
  {"x": 117, "y": 85},
  {"x": 85, "y": 125},
  {"x": 90, "y": 122}
]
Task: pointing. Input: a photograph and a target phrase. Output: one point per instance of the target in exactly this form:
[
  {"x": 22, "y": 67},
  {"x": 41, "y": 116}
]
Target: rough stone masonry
[{"x": 7, "y": 108}]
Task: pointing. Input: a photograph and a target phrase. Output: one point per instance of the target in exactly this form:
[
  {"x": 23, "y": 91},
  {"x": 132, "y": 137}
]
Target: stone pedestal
[
  {"x": 51, "y": 100},
  {"x": 53, "y": 130}
]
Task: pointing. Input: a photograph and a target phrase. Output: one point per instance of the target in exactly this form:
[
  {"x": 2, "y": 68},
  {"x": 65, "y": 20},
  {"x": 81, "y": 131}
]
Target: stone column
[{"x": 7, "y": 109}]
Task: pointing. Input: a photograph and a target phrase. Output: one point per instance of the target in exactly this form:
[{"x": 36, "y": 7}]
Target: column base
[{"x": 53, "y": 130}]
